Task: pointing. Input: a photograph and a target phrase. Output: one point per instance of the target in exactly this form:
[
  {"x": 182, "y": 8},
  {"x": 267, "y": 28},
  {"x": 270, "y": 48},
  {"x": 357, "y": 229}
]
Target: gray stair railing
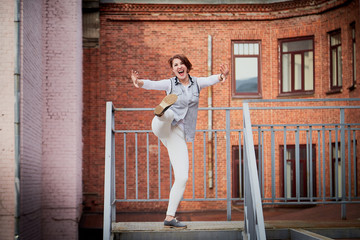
[{"x": 254, "y": 227}]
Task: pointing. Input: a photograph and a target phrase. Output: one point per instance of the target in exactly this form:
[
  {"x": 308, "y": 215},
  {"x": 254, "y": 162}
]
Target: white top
[{"x": 166, "y": 84}]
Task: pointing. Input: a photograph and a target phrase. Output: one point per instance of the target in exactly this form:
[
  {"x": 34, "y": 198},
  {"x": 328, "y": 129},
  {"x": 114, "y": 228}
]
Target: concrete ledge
[{"x": 192, "y": 226}]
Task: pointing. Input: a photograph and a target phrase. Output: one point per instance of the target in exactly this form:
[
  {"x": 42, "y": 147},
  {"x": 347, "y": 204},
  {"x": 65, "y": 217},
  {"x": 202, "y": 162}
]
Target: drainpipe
[
  {"x": 210, "y": 150},
  {"x": 17, "y": 118}
]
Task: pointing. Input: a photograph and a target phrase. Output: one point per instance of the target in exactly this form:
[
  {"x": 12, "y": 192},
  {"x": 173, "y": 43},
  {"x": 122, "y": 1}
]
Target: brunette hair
[{"x": 183, "y": 59}]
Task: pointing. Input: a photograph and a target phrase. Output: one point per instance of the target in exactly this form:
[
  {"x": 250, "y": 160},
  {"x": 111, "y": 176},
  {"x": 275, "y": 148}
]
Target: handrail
[
  {"x": 253, "y": 214},
  {"x": 320, "y": 134}
]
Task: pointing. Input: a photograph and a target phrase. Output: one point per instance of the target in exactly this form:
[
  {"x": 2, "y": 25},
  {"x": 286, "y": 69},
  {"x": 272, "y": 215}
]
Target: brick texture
[
  {"x": 144, "y": 37},
  {"x": 31, "y": 121},
  {"x": 62, "y": 119},
  {"x": 7, "y": 113}
]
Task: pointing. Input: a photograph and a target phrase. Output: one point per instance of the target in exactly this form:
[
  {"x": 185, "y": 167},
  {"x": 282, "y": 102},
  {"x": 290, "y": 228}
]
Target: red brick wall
[{"x": 144, "y": 37}]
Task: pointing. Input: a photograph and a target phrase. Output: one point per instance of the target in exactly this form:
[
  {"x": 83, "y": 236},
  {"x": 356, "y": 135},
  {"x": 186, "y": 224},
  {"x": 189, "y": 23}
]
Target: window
[
  {"x": 297, "y": 66},
  {"x": 238, "y": 179},
  {"x": 335, "y": 175},
  {"x": 352, "y": 27},
  {"x": 288, "y": 171},
  {"x": 246, "y": 81},
  {"x": 335, "y": 61}
]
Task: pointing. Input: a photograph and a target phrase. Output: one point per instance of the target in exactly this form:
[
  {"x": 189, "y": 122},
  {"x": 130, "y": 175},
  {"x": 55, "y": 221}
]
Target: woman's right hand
[{"x": 135, "y": 78}]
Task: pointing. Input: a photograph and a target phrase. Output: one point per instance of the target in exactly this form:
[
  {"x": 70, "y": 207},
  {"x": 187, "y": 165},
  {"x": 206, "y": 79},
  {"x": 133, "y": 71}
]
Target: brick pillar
[
  {"x": 62, "y": 119},
  {"x": 7, "y": 113}
]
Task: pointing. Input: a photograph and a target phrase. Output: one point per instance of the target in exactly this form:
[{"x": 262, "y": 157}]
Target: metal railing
[
  {"x": 254, "y": 227},
  {"x": 305, "y": 160}
]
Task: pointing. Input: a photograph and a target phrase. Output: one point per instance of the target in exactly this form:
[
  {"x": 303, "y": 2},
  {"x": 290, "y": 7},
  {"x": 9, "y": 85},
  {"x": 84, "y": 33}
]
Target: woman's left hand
[{"x": 224, "y": 72}]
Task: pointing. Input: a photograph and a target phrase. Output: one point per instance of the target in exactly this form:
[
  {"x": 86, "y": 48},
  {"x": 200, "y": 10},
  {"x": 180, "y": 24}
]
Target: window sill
[
  {"x": 352, "y": 87},
  {"x": 334, "y": 91},
  {"x": 246, "y": 96},
  {"x": 299, "y": 94}
]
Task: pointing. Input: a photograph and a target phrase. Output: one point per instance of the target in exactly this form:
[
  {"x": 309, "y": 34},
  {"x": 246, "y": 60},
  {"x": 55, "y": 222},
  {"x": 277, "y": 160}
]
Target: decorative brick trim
[{"x": 231, "y": 12}]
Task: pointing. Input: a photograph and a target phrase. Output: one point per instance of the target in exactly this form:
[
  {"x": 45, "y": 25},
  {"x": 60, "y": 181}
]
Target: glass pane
[
  {"x": 353, "y": 33},
  {"x": 289, "y": 178},
  {"x": 251, "y": 49},
  {"x": 354, "y": 61},
  {"x": 333, "y": 65},
  {"x": 246, "y": 75},
  {"x": 286, "y": 73},
  {"x": 309, "y": 71},
  {"x": 298, "y": 46},
  {"x": 246, "y": 49},
  {"x": 236, "y": 49},
  {"x": 256, "y": 48},
  {"x": 339, "y": 67},
  {"x": 297, "y": 71},
  {"x": 241, "y": 49},
  {"x": 335, "y": 39}
]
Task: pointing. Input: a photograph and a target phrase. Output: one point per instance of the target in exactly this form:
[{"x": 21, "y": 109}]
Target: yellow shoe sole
[{"x": 165, "y": 104}]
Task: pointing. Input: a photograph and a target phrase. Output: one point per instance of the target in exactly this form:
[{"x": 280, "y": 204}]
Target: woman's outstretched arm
[{"x": 148, "y": 84}]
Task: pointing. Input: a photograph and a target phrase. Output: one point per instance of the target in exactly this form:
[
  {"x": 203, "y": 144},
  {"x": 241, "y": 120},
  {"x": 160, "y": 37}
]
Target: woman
[{"x": 175, "y": 121}]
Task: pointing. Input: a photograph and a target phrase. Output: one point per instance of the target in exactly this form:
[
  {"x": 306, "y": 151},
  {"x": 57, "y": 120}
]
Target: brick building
[
  {"x": 52, "y": 141},
  {"x": 267, "y": 38}
]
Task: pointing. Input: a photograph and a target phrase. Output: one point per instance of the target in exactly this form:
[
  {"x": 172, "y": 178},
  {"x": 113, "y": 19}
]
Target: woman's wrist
[{"x": 222, "y": 77}]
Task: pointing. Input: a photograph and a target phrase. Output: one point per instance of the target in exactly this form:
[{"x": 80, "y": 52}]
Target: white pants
[{"x": 173, "y": 138}]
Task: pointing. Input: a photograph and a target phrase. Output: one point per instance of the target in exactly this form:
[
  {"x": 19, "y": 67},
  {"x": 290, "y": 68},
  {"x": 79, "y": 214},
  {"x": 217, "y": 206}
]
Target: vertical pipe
[
  {"x": 210, "y": 143},
  {"x": 17, "y": 118}
]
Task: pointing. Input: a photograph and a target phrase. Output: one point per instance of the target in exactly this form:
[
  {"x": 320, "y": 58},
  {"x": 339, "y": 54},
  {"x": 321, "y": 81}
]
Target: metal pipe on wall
[
  {"x": 210, "y": 150},
  {"x": 17, "y": 118}
]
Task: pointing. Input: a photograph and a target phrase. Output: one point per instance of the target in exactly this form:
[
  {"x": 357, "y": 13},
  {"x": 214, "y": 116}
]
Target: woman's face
[{"x": 179, "y": 69}]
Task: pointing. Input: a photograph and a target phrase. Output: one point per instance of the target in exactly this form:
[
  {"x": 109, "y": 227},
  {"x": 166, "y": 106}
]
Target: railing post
[
  {"x": 109, "y": 173},
  {"x": 342, "y": 147},
  {"x": 228, "y": 164}
]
